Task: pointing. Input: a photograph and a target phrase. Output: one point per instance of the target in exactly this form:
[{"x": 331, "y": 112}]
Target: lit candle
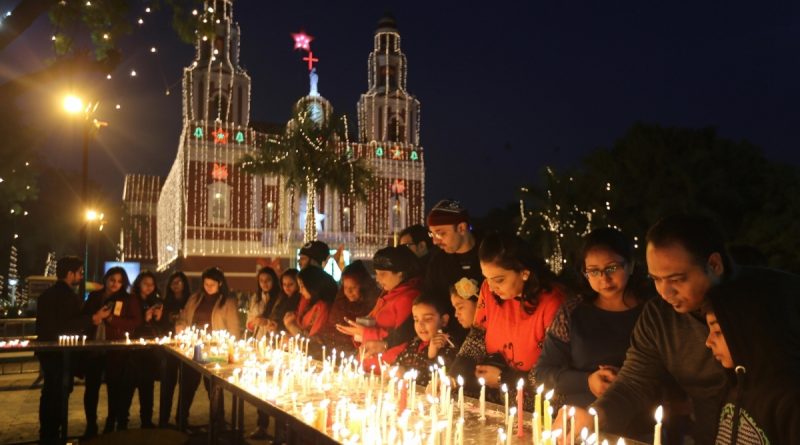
[
  {"x": 584, "y": 435},
  {"x": 564, "y": 421},
  {"x": 657, "y": 432},
  {"x": 127, "y": 338},
  {"x": 593, "y": 412},
  {"x": 84, "y": 339},
  {"x": 482, "y": 381},
  {"x": 548, "y": 411},
  {"x": 537, "y": 424},
  {"x": 504, "y": 388},
  {"x": 510, "y": 424},
  {"x": 571, "y": 425},
  {"x": 461, "y": 395},
  {"x": 537, "y": 403},
  {"x": 520, "y": 404},
  {"x": 620, "y": 441}
]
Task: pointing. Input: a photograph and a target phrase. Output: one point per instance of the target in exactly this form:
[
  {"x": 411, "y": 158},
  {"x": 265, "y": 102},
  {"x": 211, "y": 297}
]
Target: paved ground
[{"x": 19, "y": 410}]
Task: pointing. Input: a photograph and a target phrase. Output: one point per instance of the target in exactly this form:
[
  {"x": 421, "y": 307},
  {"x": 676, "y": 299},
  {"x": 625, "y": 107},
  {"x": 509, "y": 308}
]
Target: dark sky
[{"x": 505, "y": 87}]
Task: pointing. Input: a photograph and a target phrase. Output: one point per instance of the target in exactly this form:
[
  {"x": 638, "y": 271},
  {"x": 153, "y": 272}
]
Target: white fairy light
[{"x": 133, "y": 73}]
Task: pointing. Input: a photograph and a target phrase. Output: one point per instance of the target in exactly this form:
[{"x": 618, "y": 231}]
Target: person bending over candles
[
  {"x": 430, "y": 322},
  {"x": 585, "y": 346},
  {"x": 397, "y": 272},
  {"x": 518, "y": 300},
  {"x": 751, "y": 341},
  {"x": 318, "y": 290},
  {"x": 357, "y": 296}
]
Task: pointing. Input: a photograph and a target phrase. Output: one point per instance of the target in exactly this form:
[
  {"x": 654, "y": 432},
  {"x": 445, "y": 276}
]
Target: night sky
[{"x": 505, "y": 88}]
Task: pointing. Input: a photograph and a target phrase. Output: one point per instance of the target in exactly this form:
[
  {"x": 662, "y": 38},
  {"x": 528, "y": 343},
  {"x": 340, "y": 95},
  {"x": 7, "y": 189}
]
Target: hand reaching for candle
[
  {"x": 374, "y": 347},
  {"x": 437, "y": 342},
  {"x": 148, "y": 314},
  {"x": 489, "y": 373},
  {"x": 290, "y": 321},
  {"x": 158, "y": 311},
  {"x": 600, "y": 380},
  {"x": 352, "y": 328}
]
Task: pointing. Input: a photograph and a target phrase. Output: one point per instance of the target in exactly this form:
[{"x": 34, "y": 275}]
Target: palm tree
[{"x": 314, "y": 153}]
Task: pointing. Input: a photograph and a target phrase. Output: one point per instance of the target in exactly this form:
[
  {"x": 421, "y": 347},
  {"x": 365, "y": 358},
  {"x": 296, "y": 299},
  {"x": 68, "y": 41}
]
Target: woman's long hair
[
  {"x": 638, "y": 287},
  {"x": 367, "y": 287},
  {"x": 276, "y": 284},
  {"x": 319, "y": 284},
  {"x": 136, "y": 288},
  {"x": 513, "y": 253},
  {"x": 216, "y": 274},
  {"x": 170, "y": 297},
  {"x": 126, "y": 282}
]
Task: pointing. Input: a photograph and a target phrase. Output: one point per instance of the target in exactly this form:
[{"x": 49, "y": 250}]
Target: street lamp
[{"x": 74, "y": 105}]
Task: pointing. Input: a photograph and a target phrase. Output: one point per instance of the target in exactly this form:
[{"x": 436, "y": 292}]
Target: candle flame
[
  {"x": 512, "y": 411},
  {"x": 540, "y": 389},
  {"x": 504, "y": 388},
  {"x": 592, "y": 411},
  {"x": 659, "y": 413},
  {"x": 549, "y": 395},
  {"x": 481, "y": 380},
  {"x": 572, "y": 411},
  {"x": 520, "y": 382},
  {"x": 461, "y": 380},
  {"x": 584, "y": 434},
  {"x": 620, "y": 441}
]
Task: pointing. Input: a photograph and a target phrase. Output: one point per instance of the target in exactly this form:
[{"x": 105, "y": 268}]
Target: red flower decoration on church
[
  {"x": 399, "y": 186},
  {"x": 220, "y": 136},
  {"x": 219, "y": 172}
]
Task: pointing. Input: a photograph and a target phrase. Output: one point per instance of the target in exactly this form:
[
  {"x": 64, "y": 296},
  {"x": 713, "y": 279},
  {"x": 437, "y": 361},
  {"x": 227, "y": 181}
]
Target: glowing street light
[{"x": 73, "y": 104}]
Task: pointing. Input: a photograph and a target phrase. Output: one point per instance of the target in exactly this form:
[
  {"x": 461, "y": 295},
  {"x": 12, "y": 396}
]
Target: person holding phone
[
  {"x": 357, "y": 295},
  {"x": 115, "y": 283}
]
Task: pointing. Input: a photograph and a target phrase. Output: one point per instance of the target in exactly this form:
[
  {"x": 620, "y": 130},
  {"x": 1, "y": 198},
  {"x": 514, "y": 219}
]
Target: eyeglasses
[
  {"x": 436, "y": 235},
  {"x": 608, "y": 271}
]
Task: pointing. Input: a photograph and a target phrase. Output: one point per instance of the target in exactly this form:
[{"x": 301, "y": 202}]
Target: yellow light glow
[
  {"x": 73, "y": 104},
  {"x": 91, "y": 215}
]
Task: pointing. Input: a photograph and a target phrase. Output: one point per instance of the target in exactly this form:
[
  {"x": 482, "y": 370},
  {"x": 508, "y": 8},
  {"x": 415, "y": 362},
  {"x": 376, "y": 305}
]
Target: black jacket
[
  {"x": 59, "y": 313},
  {"x": 758, "y": 313}
]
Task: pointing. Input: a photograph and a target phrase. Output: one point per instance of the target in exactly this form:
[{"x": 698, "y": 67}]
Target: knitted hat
[
  {"x": 447, "y": 212},
  {"x": 396, "y": 259},
  {"x": 316, "y": 250}
]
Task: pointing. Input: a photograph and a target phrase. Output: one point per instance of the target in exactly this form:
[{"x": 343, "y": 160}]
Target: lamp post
[{"x": 75, "y": 105}]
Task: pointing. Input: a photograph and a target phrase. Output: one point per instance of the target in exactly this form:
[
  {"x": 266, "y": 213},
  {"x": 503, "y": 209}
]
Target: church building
[{"x": 209, "y": 212}]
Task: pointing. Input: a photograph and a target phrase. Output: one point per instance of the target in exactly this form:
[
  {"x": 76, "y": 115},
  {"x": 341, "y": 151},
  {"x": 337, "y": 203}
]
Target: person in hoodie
[{"x": 748, "y": 335}]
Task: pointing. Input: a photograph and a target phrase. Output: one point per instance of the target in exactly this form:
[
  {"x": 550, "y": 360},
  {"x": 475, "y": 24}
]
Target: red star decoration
[
  {"x": 302, "y": 40},
  {"x": 220, "y": 136},
  {"x": 399, "y": 186}
]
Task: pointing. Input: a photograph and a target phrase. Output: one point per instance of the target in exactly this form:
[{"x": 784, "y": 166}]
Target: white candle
[
  {"x": 510, "y": 424},
  {"x": 461, "y": 395},
  {"x": 460, "y": 431},
  {"x": 657, "y": 432},
  {"x": 504, "y": 388},
  {"x": 482, "y": 381},
  {"x": 571, "y": 425},
  {"x": 593, "y": 412},
  {"x": 127, "y": 338},
  {"x": 84, "y": 339}
]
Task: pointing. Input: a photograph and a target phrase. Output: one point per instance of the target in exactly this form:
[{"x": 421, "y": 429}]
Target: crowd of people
[{"x": 716, "y": 343}]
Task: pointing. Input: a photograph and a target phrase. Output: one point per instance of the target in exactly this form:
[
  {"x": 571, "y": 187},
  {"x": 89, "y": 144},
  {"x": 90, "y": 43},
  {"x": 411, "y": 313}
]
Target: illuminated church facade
[{"x": 208, "y": 212}]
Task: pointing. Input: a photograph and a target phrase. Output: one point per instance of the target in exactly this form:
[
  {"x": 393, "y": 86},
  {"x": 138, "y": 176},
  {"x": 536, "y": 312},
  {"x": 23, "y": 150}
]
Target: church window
[{"x": 219, "y": 203}]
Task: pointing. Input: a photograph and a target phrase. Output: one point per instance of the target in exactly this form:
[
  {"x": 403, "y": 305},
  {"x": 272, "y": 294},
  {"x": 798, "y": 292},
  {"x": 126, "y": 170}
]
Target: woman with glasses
[{"x": 585, "y": 346}]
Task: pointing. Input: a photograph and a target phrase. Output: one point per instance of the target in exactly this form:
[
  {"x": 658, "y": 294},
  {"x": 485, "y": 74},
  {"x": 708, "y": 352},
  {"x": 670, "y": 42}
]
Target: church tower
[
  {"x": 387, "y": 112},
  {"x": 215, "y": 87}
]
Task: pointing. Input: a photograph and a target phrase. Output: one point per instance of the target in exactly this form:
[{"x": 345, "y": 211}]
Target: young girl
[
  {"x": 430, "y": 320},
  {"x": 464, "y": 297},
  {"x": 518, "y": 300},
  {"x": 357, "y": 296},
  {"x": 288, "y": 301},
  {"x": 318, "y": 290},
  {"x": 748, "y": 335},
  {"x": 262, "y": 302}
]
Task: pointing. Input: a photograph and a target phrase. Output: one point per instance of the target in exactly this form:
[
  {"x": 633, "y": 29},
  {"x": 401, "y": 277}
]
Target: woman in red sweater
[
  {"x": 318, "y": 290},
  {"x": 397, "y": 273},
  {"x": 518, "y": 300}
]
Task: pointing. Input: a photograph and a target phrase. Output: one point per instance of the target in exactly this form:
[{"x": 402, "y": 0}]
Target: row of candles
[
  {"x": 337, "y": 397},
  {"x": 357, "y": 407},
  {"x": 14, "y": 343}
]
